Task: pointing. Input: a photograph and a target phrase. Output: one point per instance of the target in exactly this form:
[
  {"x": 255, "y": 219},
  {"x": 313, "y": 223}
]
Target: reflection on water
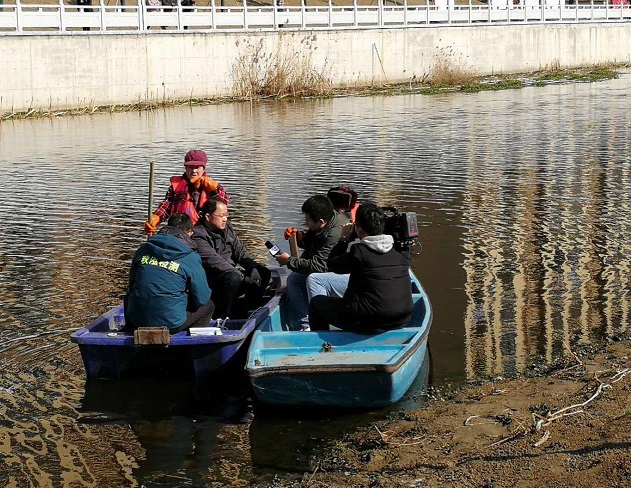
[{"x": 522, "y": 199}]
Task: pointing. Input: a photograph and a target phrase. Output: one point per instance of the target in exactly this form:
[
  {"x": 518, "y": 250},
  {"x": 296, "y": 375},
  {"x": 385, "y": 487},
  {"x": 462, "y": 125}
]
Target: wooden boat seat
[{"x": 151, "y": 336}]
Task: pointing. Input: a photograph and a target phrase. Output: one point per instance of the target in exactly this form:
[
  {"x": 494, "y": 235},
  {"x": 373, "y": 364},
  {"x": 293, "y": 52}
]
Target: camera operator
[{"x": 379, "y": 293}]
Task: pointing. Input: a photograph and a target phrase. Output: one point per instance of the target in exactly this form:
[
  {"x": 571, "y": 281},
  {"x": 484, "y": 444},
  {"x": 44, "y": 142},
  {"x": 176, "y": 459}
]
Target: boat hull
[
  {"x": 337, "y": 369},
  {"x": 108, "y": 355},
  {"x": 360, "y": 387}
]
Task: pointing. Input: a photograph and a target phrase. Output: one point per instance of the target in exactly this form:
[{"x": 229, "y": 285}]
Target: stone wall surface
[{"x": 75, "y": 71}]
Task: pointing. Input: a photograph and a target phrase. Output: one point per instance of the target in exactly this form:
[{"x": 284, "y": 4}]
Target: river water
[{"x": 523, "y": 202}]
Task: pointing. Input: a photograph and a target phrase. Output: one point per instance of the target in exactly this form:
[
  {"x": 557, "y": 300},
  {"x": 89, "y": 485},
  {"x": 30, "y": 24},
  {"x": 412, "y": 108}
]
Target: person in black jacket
[
  {"x": 379, "y": 293},
  {"x": 230, "y": 270}
]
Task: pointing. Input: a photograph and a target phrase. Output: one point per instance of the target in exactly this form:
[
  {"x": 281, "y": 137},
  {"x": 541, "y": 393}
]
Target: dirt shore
[{"x": 570, "y": 427}]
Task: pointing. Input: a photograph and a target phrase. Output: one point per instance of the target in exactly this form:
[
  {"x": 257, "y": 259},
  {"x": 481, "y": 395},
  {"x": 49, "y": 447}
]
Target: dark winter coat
[
  {"x": 379, "y": 291},
  {"x": 221, "y": 250}
]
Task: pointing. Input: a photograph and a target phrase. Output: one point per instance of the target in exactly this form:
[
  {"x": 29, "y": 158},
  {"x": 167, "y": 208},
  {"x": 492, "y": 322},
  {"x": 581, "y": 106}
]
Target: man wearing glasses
[{"x": 232, "y": 274}]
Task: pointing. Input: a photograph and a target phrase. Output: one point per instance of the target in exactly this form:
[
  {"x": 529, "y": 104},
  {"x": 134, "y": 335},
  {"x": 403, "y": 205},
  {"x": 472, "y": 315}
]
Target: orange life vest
[{"x": 185, "y": 202}]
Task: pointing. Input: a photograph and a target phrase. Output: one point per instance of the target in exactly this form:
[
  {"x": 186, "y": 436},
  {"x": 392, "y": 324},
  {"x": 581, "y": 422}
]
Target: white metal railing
[{"x": 20, "y": 18}]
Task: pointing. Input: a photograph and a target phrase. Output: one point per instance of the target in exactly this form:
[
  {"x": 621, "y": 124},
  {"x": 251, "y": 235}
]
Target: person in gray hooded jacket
[{"x": 379, "y": 292}]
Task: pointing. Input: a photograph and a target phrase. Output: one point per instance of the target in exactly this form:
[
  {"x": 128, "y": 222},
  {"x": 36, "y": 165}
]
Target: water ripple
[{"x": 522, "y": 197}]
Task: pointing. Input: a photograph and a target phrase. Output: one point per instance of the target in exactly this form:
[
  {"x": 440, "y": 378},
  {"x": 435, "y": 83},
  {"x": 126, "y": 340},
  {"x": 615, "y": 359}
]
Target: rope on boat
[{"x": 41, "y": 334}]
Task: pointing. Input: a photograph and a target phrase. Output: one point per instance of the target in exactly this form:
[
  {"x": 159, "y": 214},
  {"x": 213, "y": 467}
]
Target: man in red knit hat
[{"x": 188, "y": 193}]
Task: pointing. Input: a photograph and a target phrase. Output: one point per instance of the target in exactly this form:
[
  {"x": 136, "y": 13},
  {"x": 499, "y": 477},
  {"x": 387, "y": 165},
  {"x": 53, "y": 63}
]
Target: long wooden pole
[
  {"x": 293, "y": 245},
  {"x": 152, "y": 165}
]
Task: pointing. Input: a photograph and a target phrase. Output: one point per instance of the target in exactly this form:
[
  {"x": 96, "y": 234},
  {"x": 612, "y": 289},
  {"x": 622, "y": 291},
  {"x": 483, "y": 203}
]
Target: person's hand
[
  {"x": 282, "y": 258},
  {"x": 206, "y": 184},
  {"x": 347, "y": 231},
  {"x": 151, "y": 225},
  {"x": 292, "y": 230},
  {"x": 254, "y": 278}
]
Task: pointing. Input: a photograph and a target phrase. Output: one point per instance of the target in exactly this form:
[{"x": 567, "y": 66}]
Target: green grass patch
[{"x": 591, "y": 74}]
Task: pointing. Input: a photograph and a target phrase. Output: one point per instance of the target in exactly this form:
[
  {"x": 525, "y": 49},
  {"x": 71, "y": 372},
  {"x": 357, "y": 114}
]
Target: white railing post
[
  {"x": 380, "y": 15},
  {"x": 427, "y": 11},
  {"x": 18, "y": 15},
  {"x": 245, "y": 14},
  {"x": 102, "y": 14},
  {"x": 303, "y": 11},
  {"x": 62, "y": 16},
  {"x": 330, "y": 14},
  {"x": 405, "y": 12},
  {"x": 142, "y": 7},
  {"x": 355, "y": 13},
  {"x": 213, "y": 12}
]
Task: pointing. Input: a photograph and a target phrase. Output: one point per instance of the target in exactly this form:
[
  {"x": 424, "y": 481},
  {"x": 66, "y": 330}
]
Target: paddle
[{"x": 150, "y": 206}]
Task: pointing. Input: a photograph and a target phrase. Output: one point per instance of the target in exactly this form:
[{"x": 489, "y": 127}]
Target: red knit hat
[{"x": 196, "y": 158}]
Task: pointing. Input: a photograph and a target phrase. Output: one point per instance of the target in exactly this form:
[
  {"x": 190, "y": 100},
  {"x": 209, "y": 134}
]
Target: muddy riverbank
[{"x": 569, "y": 427}]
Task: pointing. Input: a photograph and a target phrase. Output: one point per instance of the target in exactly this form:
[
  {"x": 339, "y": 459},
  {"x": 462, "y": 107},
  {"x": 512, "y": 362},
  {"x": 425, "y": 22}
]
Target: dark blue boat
[
  {"x": 108, "y": 354},
  {"x": 337, "y": 368}
]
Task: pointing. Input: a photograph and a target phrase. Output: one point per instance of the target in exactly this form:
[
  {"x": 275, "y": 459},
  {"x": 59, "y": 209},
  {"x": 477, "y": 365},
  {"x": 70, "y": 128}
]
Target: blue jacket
[{"x": 165, "y": 277}]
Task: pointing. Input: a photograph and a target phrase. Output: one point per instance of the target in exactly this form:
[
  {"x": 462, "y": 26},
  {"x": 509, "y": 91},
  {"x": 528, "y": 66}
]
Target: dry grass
[
  {"x": 99, "y": 109},
  {"x": 447, "y": 72},
  {"x": 257, "y": 74}
]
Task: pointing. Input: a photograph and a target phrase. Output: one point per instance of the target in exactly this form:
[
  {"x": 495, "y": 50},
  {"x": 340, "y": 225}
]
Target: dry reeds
[
  {"x": 447, "y": 72},
  {"x": 257, "y": 74}
]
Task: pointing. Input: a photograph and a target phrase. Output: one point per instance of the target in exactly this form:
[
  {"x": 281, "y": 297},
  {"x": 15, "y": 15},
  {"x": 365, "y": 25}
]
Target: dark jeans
[
  {"x": 325, "y": 310},
  {"x": 233, "y": 296},
  {"x": 200, "y": 317}
]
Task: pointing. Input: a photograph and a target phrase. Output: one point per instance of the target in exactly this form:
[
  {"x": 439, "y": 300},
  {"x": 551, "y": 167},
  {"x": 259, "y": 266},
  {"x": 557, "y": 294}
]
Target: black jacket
[
  {"x": 379, "y": 292},
  {"x": 221, "y": 250}
]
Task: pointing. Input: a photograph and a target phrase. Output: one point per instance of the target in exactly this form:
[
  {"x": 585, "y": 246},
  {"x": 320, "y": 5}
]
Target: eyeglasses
[{"x": 220, "y": 217}]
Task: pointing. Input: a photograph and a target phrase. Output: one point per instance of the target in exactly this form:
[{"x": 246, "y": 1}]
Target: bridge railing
[{"x": 28, "y": 18}]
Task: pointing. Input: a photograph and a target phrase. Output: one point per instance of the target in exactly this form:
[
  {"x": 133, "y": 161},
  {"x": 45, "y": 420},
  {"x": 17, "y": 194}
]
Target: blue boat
[
  {"x": 112, "y": 355},
  {"x": 337, "y": 369}
]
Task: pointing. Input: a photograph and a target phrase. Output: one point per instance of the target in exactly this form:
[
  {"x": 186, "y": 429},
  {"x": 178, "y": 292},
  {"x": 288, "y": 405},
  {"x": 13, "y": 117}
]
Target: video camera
[{"x": 402, "y": 226}]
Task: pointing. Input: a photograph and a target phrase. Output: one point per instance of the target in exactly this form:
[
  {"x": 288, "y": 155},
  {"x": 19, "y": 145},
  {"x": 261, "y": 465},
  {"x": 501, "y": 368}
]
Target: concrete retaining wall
[{"x": 56, "y": 72}]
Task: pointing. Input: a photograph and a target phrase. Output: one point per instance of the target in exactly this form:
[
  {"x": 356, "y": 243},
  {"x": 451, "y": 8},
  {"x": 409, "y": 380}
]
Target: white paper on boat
[{"x": 199, "y": 331}]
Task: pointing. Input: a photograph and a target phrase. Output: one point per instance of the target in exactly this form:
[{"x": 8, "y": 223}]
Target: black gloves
[{"x": 253, "y": 278}]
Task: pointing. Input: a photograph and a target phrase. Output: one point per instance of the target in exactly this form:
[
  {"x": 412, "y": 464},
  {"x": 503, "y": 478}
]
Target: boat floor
[{"x": 330, "y": 349}]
